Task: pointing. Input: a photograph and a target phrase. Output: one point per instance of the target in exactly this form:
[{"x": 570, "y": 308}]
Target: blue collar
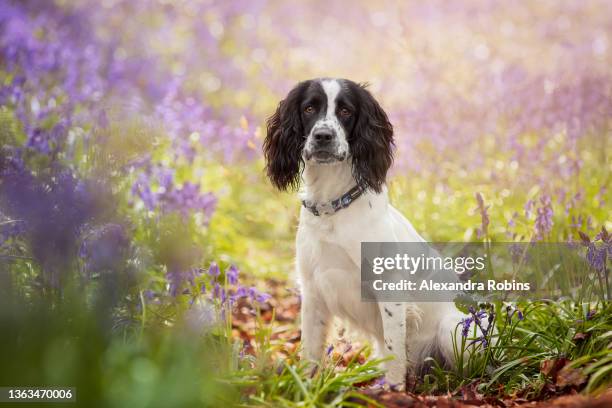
[{"x": 336, "y": 205}]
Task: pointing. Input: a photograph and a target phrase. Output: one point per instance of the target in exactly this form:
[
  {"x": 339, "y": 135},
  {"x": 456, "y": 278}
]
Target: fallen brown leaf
[{"x": 570, "y": 377}]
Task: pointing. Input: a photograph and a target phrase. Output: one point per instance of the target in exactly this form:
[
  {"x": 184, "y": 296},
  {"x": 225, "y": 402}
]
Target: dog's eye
[
  {"x": 309, "y": 109},
  {"x": 345, "y": 112}
]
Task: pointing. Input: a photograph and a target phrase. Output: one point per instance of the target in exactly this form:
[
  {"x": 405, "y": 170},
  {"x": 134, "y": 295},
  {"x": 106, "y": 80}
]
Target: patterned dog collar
[{"x": 336, "y": 205}]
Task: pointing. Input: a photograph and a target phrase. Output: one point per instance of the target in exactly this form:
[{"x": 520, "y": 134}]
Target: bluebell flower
[
  {"x": 466, "y": 323},
  {"x": 380, "y": 382},
  {"x": 544, "y": 217},
  {"x": 232, "y": 275},
  {"x": 257, "y": 296},
  {"x": 218, "y": 292},
  {"x": 241, "y": 292},
  {"x": 213, "y": 270},
  {"x": 262, "y": 297}
]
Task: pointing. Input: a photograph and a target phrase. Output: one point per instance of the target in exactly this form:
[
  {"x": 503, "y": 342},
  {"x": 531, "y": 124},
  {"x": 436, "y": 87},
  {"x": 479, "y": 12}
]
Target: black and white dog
[{"x": 332, "y": 137}]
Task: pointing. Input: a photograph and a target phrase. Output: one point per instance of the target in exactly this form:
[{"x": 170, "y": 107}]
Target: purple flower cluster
[
  {"x": 544, "y": 218},
  {"x": 54, "y": 65},
  {"x": 170, "y": 197},
  {"x": 218, "y": 290},
  {"x": 192, "y": 126},
  {"x": 599, "y": 250},
  {"x": 52, "y": 210},
  {"x": 482, "y": 320},
  {"x": 65, "y": 64},
  {"x": 239, "y": 291},
  {"x": 517, "y": 252},
  {"x": 104, "y": 248},
  {"x": 177, "y": 278}
]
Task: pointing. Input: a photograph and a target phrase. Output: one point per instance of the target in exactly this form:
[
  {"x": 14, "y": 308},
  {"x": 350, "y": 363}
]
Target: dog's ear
[
  {"x": 285, "y": 140},
  {"x": 371, "y": 141}
]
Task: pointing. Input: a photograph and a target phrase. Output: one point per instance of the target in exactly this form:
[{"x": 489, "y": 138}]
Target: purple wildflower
[
  {"x": 55, "y": 210},
  {"x": 544, "y": 221},
  {"x": 262, "y": 297},
  {"x": 239, "y": 293},
  {"x": 216, "y": 291},
  {"x": 142, "y": 189},
  {"x": 104, "y": 248},
  {"x": 477, "y": 318},
  {"x": 466, "y": 323},
  {"x": 232, "y": 275},
  {"x": 177, "y": 278},
  {"x": 511, "y": 311},
  {"x": 213, "y": 270},
  {"x": 577, "y": 222},
  {"x": 380, "y": 382},
  {"x": 516, "y": 252},
  {"x": 603, "y": 236},
  {"x": 598, "y": 250},
  {"x": 157, "y": 189},
  {"x": 219, "y": 293},
  {"x": 596, "y": 256},
  {"x": 257, "y": 296}
]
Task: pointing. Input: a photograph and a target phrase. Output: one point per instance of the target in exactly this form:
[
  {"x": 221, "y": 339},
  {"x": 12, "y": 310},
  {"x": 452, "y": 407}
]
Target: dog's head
[{"x": 327, "y": 122}]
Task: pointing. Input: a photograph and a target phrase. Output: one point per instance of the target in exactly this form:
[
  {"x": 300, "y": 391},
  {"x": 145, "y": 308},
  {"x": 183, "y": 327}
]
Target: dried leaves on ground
[{"x": 280, "y": 314}]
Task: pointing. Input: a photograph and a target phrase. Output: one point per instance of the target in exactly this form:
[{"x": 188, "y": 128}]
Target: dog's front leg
[
  {"x": 315, "y": 322},
  {"x": 394, "y": 337}
]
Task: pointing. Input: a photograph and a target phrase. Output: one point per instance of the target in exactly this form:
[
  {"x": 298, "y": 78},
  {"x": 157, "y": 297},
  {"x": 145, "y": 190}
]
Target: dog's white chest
[
  {"x": 333, "y": 274},
  {"x": 321, "y": 228}
]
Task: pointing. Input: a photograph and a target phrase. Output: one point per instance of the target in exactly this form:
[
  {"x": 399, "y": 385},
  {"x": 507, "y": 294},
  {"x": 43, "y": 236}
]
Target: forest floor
[{"x": 281, "y": 315}]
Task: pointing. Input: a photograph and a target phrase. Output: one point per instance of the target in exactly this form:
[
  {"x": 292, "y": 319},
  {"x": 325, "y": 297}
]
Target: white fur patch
[{"x": 332, "y": 88}]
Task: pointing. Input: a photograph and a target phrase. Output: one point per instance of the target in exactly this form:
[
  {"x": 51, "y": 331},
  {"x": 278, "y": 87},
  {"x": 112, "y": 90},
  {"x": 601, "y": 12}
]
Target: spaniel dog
[{"x": 332, "y": 137}]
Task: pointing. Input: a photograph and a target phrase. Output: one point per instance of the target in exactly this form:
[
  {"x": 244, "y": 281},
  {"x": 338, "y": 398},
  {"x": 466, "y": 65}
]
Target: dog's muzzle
[{"x": 324, "y": 147}]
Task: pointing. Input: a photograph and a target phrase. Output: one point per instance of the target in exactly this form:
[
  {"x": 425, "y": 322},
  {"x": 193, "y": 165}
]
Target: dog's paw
[
  {"x": 401, "y": 387},
  {"x": 396, "y": 382},
  {"x": 396, "y": 375}
]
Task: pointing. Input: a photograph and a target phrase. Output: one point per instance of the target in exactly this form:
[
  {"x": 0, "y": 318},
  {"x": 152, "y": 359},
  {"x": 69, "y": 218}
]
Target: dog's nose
[{"x": 323, "y": 136}]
